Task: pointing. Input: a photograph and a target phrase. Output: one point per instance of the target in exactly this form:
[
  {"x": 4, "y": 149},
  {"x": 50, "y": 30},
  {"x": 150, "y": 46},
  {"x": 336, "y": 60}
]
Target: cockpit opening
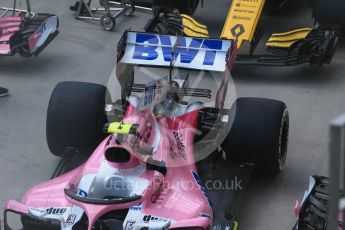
[{"x": 117, "y": 155}]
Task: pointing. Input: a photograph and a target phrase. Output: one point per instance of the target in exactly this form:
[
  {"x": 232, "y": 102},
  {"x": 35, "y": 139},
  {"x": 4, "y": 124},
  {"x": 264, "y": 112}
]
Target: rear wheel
[
  {"x": 75, "y": 117},
  {"x": 259, "y": 134}
]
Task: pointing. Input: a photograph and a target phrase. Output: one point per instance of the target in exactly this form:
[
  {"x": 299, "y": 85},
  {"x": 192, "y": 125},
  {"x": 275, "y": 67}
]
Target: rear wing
[{"x": 138, "y": 48}]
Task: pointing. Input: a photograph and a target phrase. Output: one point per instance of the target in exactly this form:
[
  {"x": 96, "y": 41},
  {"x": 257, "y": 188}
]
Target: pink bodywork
[
  {"x": 8, "y": 26},
  {"x": 181, "y": 198}
]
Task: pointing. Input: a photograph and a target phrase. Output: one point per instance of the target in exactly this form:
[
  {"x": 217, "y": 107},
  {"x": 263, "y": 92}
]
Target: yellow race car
[{"x": 315, "y": 45}]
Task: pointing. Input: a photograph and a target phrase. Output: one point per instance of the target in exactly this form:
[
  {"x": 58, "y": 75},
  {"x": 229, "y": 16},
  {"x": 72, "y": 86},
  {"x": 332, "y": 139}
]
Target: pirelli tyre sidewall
[
  {"x": 75, "y": 117},
  {"x": 259, "y": 134},
  {"x": 329, "y": 12}
]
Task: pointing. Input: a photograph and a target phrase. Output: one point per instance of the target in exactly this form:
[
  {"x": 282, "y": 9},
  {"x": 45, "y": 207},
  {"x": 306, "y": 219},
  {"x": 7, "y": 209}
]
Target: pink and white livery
[
  {"x": 156, "y": 165},
  {"x": 24, "y": 32}
]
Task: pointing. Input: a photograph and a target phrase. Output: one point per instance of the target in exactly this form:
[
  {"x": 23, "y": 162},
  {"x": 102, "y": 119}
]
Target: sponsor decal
[
  {"x": 56, "y": 211},
  {"x": 136, "y": 220},
  {"x": 48, "y": 211},
  {"x": 41, "y": 211},
  {"x": 71, "y": 219},
  {"x": 130, "y": 224},
  {"x": 179, "y": 138},
  {"x": 172, "y": 153},
  {"x": 205, "y": 214},
  {"x": 188, "y": 52},
  {"x": 149, "y": 218},
  {"x": 137, "y": 207},
  {"x": 142, "y": 137},
  {"x": 82, "y": 193},
  {"x": 157, "y": 193},
  {"x": 198, "y": 181},
  {"x": 69, "y": 215}
]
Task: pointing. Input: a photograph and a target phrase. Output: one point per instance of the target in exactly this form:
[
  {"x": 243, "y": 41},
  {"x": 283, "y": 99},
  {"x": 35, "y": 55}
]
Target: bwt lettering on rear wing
[{"x": 183, "y": 52}]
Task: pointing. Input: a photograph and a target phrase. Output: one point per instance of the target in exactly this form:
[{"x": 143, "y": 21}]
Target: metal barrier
[
  {"x": 337, "y": 171},
  {"x": 5, "y": 10},
  {"x": 106, "y": 14}
]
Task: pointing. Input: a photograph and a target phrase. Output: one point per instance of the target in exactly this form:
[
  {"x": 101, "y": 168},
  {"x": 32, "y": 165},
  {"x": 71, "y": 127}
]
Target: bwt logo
[
  {"x": 56, "y": 211},
  {"x": 188, "y": 49}
]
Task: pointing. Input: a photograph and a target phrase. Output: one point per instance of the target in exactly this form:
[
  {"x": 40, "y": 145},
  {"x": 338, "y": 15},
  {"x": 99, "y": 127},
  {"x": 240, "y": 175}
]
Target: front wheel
[
  {"x": 259, "y": 134},
  {"x": 329, "y": 12}
]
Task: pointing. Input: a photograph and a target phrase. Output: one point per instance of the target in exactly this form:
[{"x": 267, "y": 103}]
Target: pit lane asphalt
[{"x": 84, "y": 52}]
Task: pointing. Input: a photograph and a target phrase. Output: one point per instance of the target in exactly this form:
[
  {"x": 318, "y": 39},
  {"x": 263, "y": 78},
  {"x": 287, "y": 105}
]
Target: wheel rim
[
  {"x": 108, "y": 23},
  {"x": 129, "y": 10},
  {"x": 283, "y": 142}
]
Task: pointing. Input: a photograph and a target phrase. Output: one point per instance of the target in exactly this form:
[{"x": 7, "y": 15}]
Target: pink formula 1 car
[
  {"x": 174, "y": 152},
  {"x": 24, "y": 32}
]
